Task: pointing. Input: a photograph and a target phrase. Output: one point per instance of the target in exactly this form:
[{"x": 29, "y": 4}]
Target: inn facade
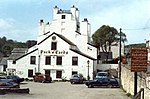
[{"x": 63, "y": 48}]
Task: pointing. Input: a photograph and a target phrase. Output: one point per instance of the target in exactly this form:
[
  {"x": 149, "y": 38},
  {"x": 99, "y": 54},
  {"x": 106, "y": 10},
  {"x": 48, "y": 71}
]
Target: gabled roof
[
  {"x": 19, "y": 50},
  {"x": 61, "y": 36},
  {"x": 83, "y": 54},
  {"x": 27, "y": 54},
  {"x": 16, "y": 53},
  {"x": 70, "y": 43},
  {"x": 74, "y": 48}
]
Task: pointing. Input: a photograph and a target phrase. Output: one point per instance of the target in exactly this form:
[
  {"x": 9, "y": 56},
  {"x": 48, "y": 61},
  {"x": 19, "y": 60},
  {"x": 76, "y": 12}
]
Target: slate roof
[
  {"x": 19, "y": 50},
  {"x": 16, "y": 53},
  {"x": 83, "y": 54},
  {"x": 26, "y": 54}
]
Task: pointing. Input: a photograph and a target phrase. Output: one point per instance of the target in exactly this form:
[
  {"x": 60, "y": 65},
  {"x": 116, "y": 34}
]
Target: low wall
[
  {"x": 127, "y": 80},
  {"x": 107, "y": 66}
]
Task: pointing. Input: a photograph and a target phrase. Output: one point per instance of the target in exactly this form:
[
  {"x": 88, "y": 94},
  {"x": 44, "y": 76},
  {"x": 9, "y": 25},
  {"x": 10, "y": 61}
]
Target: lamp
[{"x": 88, "y": 77}]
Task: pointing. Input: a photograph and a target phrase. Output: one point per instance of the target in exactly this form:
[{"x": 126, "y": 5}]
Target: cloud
[
  {"x": 21, "y": 35},
  {"x": 7, "y": 23}
]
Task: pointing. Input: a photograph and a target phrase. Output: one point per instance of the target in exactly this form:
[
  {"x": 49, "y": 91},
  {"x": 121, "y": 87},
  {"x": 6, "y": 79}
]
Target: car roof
[{"x": 102, "y": 72}]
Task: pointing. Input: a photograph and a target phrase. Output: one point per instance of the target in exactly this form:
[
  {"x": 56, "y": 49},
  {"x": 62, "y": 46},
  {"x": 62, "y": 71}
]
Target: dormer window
[{"x": 63, "y": 17}]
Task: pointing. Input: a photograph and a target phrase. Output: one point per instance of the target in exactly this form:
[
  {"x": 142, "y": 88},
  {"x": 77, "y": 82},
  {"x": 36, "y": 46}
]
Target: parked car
[
  {"x": 102, "y": 75},
  {"x": 102, "y": 82},
  {"x": 42, "y": 78},
  {"x": 15, "y": 78},
  {"x": 8, "y": 83},
  {"x": 76, "y": 78}
]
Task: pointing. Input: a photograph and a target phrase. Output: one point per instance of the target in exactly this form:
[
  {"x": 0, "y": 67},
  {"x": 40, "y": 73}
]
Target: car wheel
[
  {"x": 72, "y": 82},
  {"x": 110, "y": 86},
  {"x": 90, "y": 86}
]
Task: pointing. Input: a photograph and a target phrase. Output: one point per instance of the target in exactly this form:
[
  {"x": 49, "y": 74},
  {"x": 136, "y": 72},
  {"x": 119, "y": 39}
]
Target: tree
[{"x": 105, "y": 36}]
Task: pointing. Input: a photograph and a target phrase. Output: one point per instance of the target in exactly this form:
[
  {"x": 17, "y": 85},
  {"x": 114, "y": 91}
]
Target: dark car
[
  {"x": 15, "y": 78},
  {"x": 42, "y": 78},
  {"x": 102, "y": 75},
  {"x": 76, "y": 78},
  {"x": 102, "y": 82},
  {"x": 8, "y": 83}
]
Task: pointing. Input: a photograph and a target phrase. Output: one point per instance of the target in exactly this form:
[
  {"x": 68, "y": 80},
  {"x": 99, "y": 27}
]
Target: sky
[{"x": 19, "y": 19}]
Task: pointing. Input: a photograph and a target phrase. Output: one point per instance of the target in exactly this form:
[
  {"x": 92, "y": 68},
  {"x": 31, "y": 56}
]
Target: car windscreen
[{"x": 102, "y": 74}]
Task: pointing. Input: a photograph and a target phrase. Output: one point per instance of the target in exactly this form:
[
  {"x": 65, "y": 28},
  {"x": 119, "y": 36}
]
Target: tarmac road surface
[{"x": 64, "y": 90}]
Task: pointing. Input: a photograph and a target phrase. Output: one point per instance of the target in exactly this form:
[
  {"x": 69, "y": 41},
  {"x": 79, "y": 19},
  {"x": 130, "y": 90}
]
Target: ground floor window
[
  {"x": 30, "y": 73},
  {"x": 47, "y": 72},
  {"x": 74, "y": 72},
  {"x": 58, "y": 74},
  {"x": 5, "y": 66}
]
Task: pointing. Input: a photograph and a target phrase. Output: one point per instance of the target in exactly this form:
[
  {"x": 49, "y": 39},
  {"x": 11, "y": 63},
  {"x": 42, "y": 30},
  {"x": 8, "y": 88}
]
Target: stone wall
[{"x": 127, "y": 80}]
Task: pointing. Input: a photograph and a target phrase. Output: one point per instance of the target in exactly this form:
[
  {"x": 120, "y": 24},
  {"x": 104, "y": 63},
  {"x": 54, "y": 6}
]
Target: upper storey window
[
  {"x": 63, "y": 17},
  {"x": 53, "y": 45}
]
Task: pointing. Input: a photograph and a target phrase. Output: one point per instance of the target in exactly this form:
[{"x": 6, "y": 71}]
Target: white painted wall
[
  {"x": 107, "y": 66},
  {"x": 67, "y": 28}
]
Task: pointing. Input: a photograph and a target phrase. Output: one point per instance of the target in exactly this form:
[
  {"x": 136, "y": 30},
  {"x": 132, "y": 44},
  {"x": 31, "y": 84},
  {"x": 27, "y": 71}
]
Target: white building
[{"x": 62, "y": 48}]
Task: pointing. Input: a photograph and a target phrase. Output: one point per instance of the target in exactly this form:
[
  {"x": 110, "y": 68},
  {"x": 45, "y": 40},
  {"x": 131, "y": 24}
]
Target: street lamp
[{"x": 88, "y": 77}]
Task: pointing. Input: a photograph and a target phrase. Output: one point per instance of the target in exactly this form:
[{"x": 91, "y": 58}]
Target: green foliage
[
  {"x": 6, "y": 46},
  {"x": 105, "y": 36}
]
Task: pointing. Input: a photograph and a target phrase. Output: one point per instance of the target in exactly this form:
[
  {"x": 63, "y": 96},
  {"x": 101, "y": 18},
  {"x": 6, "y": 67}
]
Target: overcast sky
[{"x": 19, "y": 18}]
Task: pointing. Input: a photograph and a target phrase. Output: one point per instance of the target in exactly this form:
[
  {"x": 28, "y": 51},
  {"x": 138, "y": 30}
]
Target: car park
[
  {"x": 76, "y": 78},
  {"x": 38, "y": 77},
  {"x": 102, "y": 82}
]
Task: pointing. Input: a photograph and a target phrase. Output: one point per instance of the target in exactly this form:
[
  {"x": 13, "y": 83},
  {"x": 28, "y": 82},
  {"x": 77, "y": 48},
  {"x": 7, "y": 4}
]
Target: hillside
[{"x": 7, "y": 45}]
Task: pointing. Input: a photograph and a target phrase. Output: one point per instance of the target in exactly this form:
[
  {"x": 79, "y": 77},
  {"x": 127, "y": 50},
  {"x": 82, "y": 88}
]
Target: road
[{"x": 64, "y": 90}]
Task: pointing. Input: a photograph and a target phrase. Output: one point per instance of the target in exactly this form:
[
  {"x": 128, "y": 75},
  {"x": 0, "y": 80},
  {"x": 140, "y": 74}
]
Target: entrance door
[
  {"x": 58, "y": 74},
  {"x": 47, "y": 72}
]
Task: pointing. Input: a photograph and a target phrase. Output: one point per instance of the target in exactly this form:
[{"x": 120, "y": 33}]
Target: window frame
[
  {"x": 53, "y": 45},
  {"x": 33, "y": 60},
  {"x": 63, "y": 16},
  {"x": 74, "y": 61},
  {"x": 47, "y": 60},
  {"x": 30, "y": 72},
  {"x": 59, "y": 60},
  {"x": 58, "y": 74}
]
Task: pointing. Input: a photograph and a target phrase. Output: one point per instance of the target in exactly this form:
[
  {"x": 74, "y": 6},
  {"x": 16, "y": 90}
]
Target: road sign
[{"x": 139, "y": 58}]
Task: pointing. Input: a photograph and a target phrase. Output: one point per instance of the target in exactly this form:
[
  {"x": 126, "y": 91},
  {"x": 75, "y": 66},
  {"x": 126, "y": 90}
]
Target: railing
[{"x": 140, "y": 94}]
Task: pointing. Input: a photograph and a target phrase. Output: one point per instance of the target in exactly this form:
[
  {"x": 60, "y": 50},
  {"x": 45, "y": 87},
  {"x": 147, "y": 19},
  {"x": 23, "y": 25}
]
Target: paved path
[{"x": 64, "y": 90}]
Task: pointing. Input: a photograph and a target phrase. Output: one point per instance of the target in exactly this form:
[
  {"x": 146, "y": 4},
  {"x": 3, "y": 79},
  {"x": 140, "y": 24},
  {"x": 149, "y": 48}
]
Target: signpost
[{"x": 139, "y": 58}]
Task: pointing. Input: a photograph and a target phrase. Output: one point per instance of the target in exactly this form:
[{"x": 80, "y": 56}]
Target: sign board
[{"x": 139, "y": 58}]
